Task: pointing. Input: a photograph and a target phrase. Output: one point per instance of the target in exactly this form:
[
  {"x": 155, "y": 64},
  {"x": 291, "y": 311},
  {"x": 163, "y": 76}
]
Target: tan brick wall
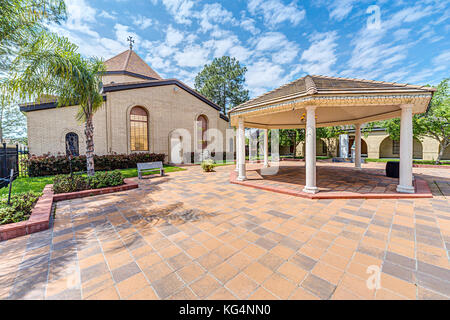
[{"x": 168, "y": 110}]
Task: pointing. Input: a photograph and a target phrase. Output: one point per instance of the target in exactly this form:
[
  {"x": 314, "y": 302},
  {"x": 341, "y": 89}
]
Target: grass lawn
[{"x": 37, "y": 184}]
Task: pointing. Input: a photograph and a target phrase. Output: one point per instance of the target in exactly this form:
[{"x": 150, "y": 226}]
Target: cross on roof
[{"x": 131, "y": 41}]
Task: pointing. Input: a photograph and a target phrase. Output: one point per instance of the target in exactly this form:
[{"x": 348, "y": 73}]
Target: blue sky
[{"x": 277, "y": 40}]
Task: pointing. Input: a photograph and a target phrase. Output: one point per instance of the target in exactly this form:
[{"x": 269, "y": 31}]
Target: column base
[
  {"x": 405, "y": 189},
  {"x": 243, "y": 178},
  {"x": 266, "y": 165},
  {"x": 358, "y": 168},
  {"x": 312, "y": 190}
]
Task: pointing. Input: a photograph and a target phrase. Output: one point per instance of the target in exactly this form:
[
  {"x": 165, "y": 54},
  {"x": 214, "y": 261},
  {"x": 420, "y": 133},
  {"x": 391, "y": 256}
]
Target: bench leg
[
  {"x": 139, "y": 175},
  {"x": 162, "y": 172}
]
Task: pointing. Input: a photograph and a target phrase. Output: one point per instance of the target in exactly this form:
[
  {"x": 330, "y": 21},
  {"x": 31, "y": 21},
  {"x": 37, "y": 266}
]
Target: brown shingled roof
[
  {"x": 313, "y": 84},
  {"x": 129, "y": 61}
]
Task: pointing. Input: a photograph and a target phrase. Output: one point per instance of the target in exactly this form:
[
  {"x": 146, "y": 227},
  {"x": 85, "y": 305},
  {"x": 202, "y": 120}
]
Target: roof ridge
[
  {"x": 271, "y": 91},
  {"x": 127, "y": 60},
  {"x": 310, "y": 85},
  {"x": 375, "y": 81}
]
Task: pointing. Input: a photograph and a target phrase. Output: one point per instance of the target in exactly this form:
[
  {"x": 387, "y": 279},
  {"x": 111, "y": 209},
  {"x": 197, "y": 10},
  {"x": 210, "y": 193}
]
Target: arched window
[
  {"x": 202, "y": 123},
  {"x": 138, "y": 129},
  {"x": 72, "y": 147}
]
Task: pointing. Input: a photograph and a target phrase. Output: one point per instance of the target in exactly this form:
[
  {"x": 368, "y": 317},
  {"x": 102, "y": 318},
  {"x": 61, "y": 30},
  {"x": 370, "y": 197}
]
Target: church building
[{"x": 142, "y": 112}]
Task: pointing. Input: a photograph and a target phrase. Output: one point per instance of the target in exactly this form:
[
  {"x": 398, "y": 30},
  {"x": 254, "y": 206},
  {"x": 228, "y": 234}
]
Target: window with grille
[
  {"x": 72, "y": 147},
  {"x": 395, "y": 147},
  {"x": 139, "y": 129}
]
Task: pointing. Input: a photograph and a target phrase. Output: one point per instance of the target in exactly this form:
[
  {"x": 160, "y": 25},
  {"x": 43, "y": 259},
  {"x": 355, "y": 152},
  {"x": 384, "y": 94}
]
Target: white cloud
[
  {"x": 108, "y": 15},
  {"x": 320, "y": 56},
  {"x": 340, "y": 9},
  {"x": 442, "y": 61},
  {"x": 275, "y": 43},
  {"x": 173, "y": 36},
  {"x": 275, "y": 12},
  {"x": 192, "y": 56},
  {"x": 213, "y": 14},
  {"x": 263, "y": 75},
  {"x": 142, "y": 22},
  {"x": 248, "y": 24},
  {"x": 181, "y": 10}
]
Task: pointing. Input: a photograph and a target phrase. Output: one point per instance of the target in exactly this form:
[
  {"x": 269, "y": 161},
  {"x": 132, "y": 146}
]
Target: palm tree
[{"x": 51, "y": 66}]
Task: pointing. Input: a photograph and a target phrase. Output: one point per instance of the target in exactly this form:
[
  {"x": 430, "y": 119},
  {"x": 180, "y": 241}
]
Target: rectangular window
[{"x": 395, "y": 147}]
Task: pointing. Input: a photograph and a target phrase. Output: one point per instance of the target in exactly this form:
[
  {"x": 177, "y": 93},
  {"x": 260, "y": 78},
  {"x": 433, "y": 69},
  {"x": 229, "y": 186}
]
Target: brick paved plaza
[{"x": 192, "y": 235}]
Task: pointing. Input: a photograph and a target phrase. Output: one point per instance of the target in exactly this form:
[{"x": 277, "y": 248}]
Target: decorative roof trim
[
  {"x": 158, "y": 83},
  {"x": 328, "y": 98}
]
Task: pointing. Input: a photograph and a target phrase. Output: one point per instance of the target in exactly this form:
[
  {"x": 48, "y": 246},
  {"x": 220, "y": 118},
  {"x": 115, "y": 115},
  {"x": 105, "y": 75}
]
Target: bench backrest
[{"x": 150, "y": 165}]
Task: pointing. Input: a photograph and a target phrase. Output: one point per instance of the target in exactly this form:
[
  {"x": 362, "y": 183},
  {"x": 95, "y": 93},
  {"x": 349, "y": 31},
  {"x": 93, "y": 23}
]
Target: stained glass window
[{"x": 138, "y": 129}]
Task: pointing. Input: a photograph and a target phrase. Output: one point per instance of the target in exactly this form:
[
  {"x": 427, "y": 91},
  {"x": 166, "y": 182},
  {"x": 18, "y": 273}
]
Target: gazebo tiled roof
[
  {"x": 340, "y": 101},
  {"x": 316, "y": 84},
  {"x": 129, "y": 62}
]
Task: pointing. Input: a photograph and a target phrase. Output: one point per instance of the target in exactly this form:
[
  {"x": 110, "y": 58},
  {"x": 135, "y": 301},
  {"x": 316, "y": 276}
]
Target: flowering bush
[{"x": 48, "y": 165}]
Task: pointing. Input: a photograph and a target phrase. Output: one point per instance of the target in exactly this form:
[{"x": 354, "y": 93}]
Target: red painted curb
[
  {"x": 40, "y": 215},
  {"x": 431, "y": 166},
  {"x": 421, "y": 188}
]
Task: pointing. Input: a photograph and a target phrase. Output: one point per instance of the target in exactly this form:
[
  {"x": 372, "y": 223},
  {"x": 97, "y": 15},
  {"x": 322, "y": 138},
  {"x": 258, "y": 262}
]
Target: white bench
[{"x": 150, "y": 166}]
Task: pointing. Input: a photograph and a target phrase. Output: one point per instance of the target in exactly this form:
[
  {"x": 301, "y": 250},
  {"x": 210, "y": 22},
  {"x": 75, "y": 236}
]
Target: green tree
[
  {"x": 222, "y": 82},
  {"x": 329, "y": 134},
  {"x": 12, "y": 122},
  {"x": 291, "y": 137},
  {"x": 21, "y": 21},
  {"x": 51, "y": 66},
  {"x": 434, "y": 123}
]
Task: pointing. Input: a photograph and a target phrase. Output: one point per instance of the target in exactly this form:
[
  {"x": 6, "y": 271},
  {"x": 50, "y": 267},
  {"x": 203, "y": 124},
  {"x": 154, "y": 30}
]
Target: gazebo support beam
[
  {"x": 241, "y": 133},
  {"x": 358, "y": 146},
  {"x": 266, "y": 148},
  {"x": 310, "y": 157},
  {"x": 406, "y": 150}
]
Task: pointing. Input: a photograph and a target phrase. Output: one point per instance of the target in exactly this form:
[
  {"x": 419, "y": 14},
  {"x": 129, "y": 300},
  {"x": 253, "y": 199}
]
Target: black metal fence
[{"x": 11, "y": 157}]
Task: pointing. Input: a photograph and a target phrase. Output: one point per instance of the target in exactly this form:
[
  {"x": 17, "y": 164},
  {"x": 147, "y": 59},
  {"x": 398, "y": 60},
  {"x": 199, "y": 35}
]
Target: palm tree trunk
[{"x": 89, "y": 132}]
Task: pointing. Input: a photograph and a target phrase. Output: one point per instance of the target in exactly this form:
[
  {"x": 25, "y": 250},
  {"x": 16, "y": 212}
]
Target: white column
[
  {"x": 266, "y": 148},
  {"x": 238, "y": 148},
  {"x": 406, "y": 150},
  {"x": 358, "y": 146},
  {"x": 241, "y": 133},
  {"x": 310, "y": 150},
  {"x": 343, "y": 146}
]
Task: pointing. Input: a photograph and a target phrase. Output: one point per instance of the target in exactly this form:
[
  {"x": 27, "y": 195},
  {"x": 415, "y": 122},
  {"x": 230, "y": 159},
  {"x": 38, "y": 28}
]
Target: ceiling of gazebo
[{"x": 339, "y": 101}]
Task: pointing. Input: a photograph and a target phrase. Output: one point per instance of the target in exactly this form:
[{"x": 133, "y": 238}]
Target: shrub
[
  {"x": 208, "y": 165},
  {"x": 20, "y": 208},
  {"x": 66, "y": 183},
  {"x": 48, "y": 165}
]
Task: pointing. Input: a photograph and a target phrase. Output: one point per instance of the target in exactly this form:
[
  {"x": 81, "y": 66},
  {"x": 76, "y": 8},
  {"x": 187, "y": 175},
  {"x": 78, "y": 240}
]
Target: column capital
[
  {"x": 358, "y": 125},
  {"x": 406, "y": 106},
  {"x": 310, "y": 107}
]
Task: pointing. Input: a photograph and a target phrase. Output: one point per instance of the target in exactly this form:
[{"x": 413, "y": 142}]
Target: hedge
[
  {"x": 49, "y": 165},
  {"x": 101, "y": 179}
]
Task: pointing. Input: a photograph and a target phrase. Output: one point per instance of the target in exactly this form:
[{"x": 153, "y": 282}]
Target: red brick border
[
  {"x": 422, "y": 190},
  {"x": 40, "y": 216}
]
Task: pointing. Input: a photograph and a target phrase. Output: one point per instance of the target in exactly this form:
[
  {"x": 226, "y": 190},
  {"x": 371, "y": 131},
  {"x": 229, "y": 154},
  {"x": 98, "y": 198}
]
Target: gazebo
[{"x": 319, "y": 101}]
